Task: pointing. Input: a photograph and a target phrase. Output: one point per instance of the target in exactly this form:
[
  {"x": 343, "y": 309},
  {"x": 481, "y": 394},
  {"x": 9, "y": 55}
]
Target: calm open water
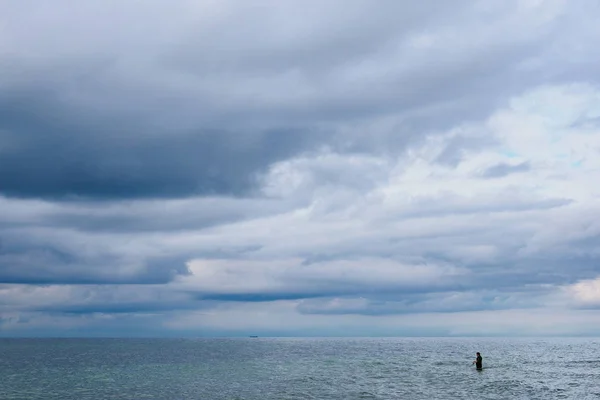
[{"x": 264, "y": 369}]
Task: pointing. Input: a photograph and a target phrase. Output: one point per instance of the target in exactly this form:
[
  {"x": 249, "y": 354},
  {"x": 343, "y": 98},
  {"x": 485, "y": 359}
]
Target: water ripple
[{"x": 269, "y": 369}]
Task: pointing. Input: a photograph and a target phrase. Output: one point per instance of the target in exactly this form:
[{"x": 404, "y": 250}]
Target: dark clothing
[{"x": 479, "y": 362}]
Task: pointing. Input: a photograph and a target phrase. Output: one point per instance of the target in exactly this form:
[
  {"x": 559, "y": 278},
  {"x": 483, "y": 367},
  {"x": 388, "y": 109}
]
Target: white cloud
[
  {"x": 585, "y": 293},
  {"x": 281, "y": 276}
]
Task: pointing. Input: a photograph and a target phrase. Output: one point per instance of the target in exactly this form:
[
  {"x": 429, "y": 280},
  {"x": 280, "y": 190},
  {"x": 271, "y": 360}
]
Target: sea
[{"x": 299, "y": 368}]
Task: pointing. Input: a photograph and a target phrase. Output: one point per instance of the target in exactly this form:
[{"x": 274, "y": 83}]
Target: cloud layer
[{"x": 204, "y": 168}]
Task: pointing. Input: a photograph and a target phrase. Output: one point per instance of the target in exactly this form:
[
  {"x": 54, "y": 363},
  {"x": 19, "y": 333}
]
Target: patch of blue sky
[
  {"x": 577, "y": 164},
  {"x": 509, "y": 153}
]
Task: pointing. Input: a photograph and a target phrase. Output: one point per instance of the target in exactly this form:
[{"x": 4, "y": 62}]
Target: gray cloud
[
  {"x": 45, "y": 264},
  {"x": 322, "y": 159},
  {"x": 203, "y": 116},
  {"x": 54, "y": 157},
  {"x": 445, "y": 302},
  {"x": 503, "y": 169}
]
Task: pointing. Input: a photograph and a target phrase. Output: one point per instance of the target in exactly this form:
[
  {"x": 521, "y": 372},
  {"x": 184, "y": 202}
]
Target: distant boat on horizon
[{"x": 253, "y": 336}]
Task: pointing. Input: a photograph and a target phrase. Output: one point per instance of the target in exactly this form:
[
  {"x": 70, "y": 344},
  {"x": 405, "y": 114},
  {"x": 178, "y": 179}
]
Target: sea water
[{"x": 263, "y": 368}]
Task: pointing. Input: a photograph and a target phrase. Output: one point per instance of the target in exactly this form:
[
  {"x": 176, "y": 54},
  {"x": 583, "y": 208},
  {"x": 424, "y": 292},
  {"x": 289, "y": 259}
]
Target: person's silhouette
[{"x": 478, "y": 361}]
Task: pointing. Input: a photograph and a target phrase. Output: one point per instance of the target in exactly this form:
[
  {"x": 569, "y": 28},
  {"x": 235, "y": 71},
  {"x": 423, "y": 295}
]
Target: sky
[{"x": 299, "y": 168}]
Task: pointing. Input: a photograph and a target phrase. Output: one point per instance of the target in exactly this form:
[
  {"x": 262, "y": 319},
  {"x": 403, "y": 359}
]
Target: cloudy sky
[{"x": 279, "y": 167}]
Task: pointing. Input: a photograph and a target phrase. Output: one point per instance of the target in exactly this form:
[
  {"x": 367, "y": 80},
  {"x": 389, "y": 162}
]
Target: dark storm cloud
[{"x": 53, "y": 156}]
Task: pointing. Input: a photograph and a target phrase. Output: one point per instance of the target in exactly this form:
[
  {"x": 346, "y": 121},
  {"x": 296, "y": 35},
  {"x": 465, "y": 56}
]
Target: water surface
[{"x": 265, "y": 369}]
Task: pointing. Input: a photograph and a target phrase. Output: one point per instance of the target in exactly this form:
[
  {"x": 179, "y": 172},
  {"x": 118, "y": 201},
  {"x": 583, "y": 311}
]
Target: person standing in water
[{"x": 478, "y": 361}]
